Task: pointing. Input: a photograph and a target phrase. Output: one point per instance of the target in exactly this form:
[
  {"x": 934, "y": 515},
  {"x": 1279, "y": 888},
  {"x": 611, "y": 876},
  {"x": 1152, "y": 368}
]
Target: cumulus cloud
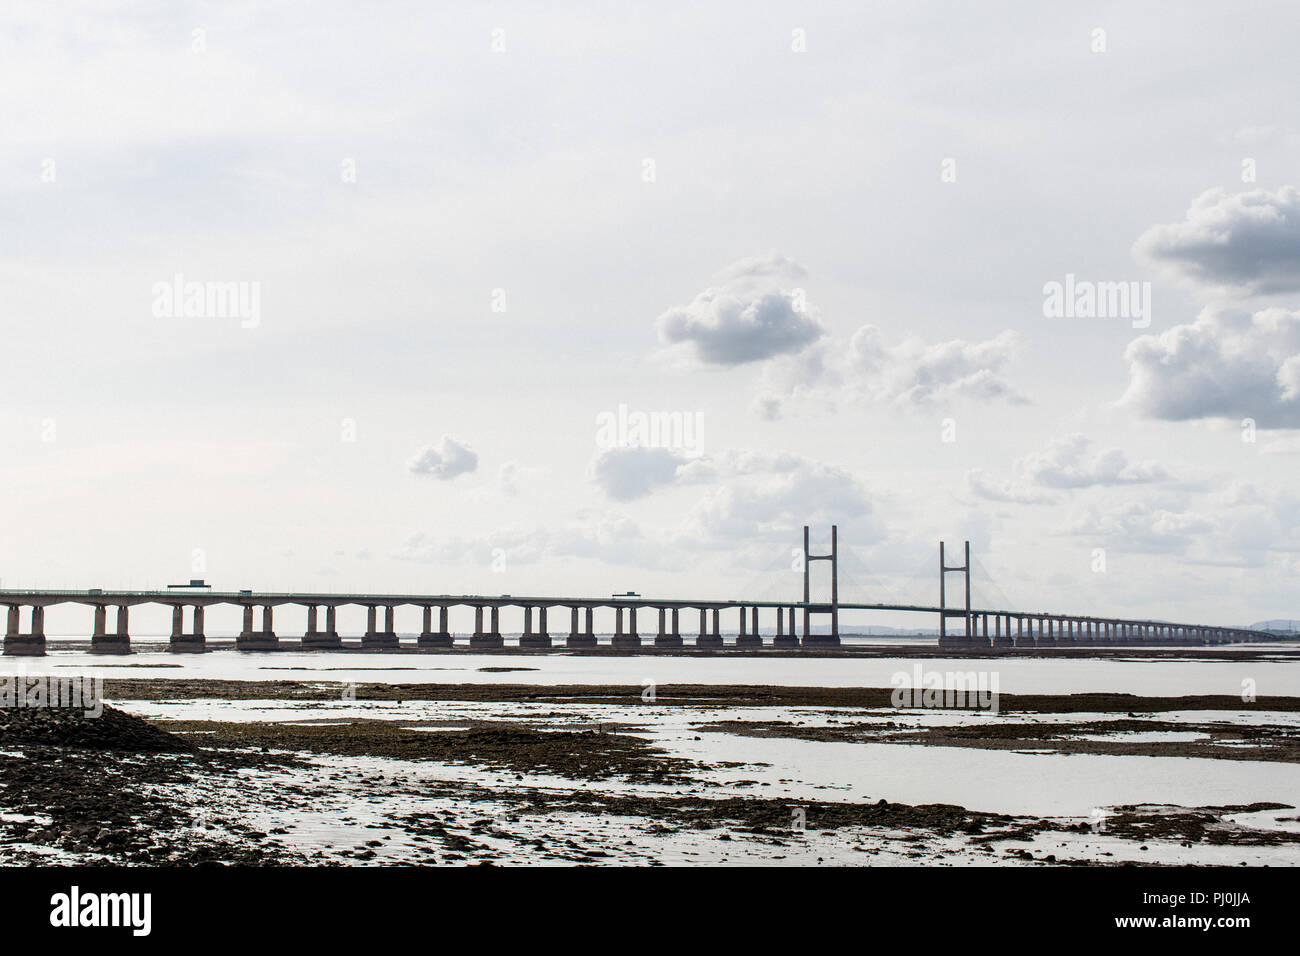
[
  {"x": 1066, "y": 463},
  {"x": 628, "y": 472},
  {"x": 1241, "y": 525},
  {"x": 512, "y": 476},
  {"x": 445, "y": 460},
  {"x": 908, "y": 373},
  {"x": 747, "y": 316},
  {"x": 1227, "y": 364},
  {"x": 1245, "y": 241},
  {"x": 1011, "y": 492},
  {"x": 767, "y": 497},
  {"x": 1141, "y": 526}
]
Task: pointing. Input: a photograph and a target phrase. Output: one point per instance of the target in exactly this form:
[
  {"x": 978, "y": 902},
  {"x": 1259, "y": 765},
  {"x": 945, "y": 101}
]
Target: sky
[{"x": 575, "y": 299}]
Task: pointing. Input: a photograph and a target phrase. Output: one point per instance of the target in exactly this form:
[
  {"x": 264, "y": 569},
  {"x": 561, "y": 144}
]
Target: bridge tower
[
  {"x": 968, "y": 637},
  {"x": 833, "y": 608}
]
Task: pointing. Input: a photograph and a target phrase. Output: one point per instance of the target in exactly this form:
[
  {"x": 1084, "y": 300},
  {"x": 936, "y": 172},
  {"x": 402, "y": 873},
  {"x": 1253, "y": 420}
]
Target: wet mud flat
[
  {"x": 81, "y": 789},
  {"x": 312, "y": 788},
  {"x": 1133, "y": 737},
  {"x": 685, "y": 695}
]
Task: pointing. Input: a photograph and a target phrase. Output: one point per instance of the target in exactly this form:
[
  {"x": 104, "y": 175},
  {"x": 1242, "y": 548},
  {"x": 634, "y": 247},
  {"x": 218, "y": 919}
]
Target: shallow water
[{"x": 1020, "y": 675}]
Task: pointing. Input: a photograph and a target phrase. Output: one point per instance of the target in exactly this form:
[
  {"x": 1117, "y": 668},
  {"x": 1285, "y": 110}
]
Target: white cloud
[
  {"x": 767, "y": 497},
  {"x": 746, "y": 317},
  {"x": 444, "y": 461},
  {"x": 629, "y": 472},
  {"x": 1245, "y": 241},
  {"x": 1241, "y": 524},
  {"x": 1011, "y": 492},
  {"x": 909, "y": 373},
  {"x": 1066, "y": 463},
  {"x": 1227, "y": 364}
]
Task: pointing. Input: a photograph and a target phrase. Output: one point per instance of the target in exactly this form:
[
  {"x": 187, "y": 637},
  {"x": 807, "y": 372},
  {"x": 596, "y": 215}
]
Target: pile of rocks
[{"x": 71, "y": 727}]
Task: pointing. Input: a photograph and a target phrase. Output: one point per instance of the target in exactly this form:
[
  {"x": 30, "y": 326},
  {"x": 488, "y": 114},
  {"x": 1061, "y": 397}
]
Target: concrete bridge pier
[
  {"x": 31, "y": 644},
  {"x": 374, "y": 637},
  {"x": 263, "y": 639},
  {"x": 1024, "y": 636},
  {"x": 317, "y": 639},
  {"x": 489, "y": 639},
  {"x": 1065, "y": 632},
  {"x": 119, "y": 641},
  {"x": 630, "y": 638},
  {"x": 707, "y": 639},
  {"x": 538, "y": 638},
  {"x": 182, "y": 643},
  {"x": 750, "y": 638},
  {"x": 1045, "y": 637},
  {"x": 428, "y": 636},
  {"x": 581, "y": 638},
  {"x": 1001, "y": 638},
  {"x": 666, "y": 637},
  {"x": 785, "y": 638}
]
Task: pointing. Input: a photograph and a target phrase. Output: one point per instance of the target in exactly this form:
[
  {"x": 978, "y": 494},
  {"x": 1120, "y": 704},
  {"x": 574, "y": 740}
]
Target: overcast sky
[{"x": 467, "y": 242}]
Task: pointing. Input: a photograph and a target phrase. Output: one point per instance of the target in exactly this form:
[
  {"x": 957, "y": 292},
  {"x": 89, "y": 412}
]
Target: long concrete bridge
[{"x": 789, "y": 623}]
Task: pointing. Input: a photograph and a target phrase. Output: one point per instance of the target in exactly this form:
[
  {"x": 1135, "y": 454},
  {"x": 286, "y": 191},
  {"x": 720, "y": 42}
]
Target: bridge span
[{"x": 789, "y": 623}]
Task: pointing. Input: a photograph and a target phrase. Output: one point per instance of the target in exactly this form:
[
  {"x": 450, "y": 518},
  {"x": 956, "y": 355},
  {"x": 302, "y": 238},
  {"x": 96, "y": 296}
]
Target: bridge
[{"x": 789, "y": 623}]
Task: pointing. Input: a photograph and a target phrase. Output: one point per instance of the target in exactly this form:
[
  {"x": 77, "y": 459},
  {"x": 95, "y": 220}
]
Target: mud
[
  {"x": 1222, "y": 741},
  {"x": 686, "y": 695},
  {"x": 119, "y": 789},
  {"x": 102, "y": 790},
  {"x": 579, "y": 755}
]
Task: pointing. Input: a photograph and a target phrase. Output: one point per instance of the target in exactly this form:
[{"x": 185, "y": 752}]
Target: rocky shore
[{"x": 313, "y": 789}]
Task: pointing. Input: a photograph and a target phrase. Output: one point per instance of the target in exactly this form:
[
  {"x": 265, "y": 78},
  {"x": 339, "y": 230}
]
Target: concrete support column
[
  {"x": 580, "y": 638},
  {"x": 1002, "y": 638},
  {"x": 491, "y": 639},
  {"x": 785, "y": 637},
  {"x": 194, "y": 642},
  {"x": 315, "y": 638},
  {"x": 750, "y": 638},
  {"x": 251, "y": 639},
  {"x": 668, "y": 635},
  {"x": 628, "y": 638},
  {"x": 541, "y": 637},
  {"x": 709, "y": 637},
  {"x": 25, "y": 645},
  {"x": 428, "y": 636}
]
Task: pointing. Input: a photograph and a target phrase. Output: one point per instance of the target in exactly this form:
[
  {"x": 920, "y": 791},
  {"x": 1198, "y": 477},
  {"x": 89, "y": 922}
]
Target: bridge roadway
[{"x": 1007, "y": 628}]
